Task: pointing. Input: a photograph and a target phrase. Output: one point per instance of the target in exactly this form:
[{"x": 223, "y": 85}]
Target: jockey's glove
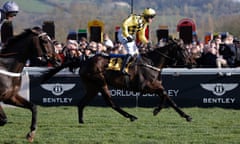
[
  {"x": 129, "y": 39},
  {"x": 149, "y": 45}
]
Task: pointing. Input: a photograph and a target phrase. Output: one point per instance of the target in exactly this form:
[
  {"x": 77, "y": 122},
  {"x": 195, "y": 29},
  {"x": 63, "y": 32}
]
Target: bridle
[
  {"x": 171, "y": 59},
  {"x": 164, "y": 55},
  {"x": 42, "y": 37}
]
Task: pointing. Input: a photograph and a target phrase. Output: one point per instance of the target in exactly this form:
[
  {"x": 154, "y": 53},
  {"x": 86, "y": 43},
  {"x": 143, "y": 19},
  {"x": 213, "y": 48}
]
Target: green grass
[{"x": 59, "y": 125}]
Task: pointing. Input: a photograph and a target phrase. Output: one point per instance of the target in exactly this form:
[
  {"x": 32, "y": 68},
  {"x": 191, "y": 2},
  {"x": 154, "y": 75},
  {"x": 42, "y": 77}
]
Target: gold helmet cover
[{"x": 149, "y": 12}]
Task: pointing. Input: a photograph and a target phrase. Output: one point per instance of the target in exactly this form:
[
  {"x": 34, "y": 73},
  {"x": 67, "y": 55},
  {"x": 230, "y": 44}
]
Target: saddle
[{"x": 116, "y": 61}]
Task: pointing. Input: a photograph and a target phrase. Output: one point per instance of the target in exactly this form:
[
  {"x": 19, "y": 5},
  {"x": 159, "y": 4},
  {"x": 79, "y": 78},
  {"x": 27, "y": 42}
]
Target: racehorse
[
  {"x": 32, "y": 42},
  {"x": 144, "y": 76}
]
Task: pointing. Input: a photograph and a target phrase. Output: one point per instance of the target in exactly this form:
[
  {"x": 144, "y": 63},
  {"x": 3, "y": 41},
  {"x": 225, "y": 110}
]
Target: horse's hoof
[
  {"x": 189, "y": 119},
  {"x": 30, "y": 136},
  {"x": 155, "y": 111},
  {"x": 81, "y": 121},
  {"x": 133, "y": 118},
  {"x": 3, "y": 122}
]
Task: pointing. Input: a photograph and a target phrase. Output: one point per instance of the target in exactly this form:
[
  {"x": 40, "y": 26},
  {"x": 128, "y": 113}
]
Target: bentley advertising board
[{"x": 187, "y": 87}]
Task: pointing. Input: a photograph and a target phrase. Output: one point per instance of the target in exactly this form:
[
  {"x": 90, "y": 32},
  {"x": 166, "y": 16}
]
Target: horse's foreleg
[
  {"x": 160, "y": 106},
  {"x": 84, "y": 101},
  {"x": 3, "y": 117},
  {"x": 176, "y": 108},
  {"x": 21, "y": 102},
  {"x": 90, "y": 94},
  {"x": 107, "y": 97},
  {"x": 81, "y": 106}
]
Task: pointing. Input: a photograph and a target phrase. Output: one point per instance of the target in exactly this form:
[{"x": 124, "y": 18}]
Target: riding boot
[{"x": 124, "y": 64}]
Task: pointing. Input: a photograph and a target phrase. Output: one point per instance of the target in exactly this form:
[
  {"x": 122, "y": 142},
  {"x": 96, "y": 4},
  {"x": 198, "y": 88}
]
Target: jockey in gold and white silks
[{"x": 132, "y": 25}]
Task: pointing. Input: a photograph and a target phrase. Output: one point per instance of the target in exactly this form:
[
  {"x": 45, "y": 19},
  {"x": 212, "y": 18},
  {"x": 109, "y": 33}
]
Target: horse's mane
[
  {"x": 14, "y": 43},
  {"x": 18, "y": 37},
  {"x": 157, "y": 52}
]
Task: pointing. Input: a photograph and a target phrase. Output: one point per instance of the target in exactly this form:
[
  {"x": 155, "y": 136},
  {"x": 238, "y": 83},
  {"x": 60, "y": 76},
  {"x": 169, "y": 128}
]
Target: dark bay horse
[
  {"x": 144, "y": 76},
  {"x": 13, "y": 56}
]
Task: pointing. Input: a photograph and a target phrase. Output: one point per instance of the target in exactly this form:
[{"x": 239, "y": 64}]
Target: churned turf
[{"x": 59, "y": 125}]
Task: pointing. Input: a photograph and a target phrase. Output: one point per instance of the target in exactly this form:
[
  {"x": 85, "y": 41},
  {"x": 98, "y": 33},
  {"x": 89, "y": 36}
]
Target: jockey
[
  {"x": 130, "y": 26},
  {"x": 8, "y": 11}
]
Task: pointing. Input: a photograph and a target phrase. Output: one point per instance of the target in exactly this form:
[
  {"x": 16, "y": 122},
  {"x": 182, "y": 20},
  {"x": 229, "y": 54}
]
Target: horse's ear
[
  {"x": 180, "y": 43},
  {"x": 36, "y": 30},
  {"x": 170, "y": 40}
]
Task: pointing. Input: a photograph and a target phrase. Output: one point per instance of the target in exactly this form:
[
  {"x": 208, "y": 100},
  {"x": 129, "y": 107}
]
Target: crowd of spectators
[
  {"x": 219, "y": 52},
  {"x": 77, "y": 51}
]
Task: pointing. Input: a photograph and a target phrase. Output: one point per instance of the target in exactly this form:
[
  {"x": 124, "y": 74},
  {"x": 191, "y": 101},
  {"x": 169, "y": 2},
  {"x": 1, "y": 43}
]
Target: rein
[
  {"x": 11, "y": 74},
  {"x": 164, "y": 55},
  {"x": 151, "y": 67},
  {"x": 4, "y": 72},
  {"x": 8, "y": 54}
]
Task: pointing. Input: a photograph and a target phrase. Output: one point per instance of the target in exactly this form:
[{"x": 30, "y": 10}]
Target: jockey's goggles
[
  {"x": 12, "y": 14},
  {"x": 150, "y": 16}
]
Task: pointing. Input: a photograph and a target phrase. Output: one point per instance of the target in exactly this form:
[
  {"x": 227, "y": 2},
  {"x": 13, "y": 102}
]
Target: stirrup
[{"x": 125, "y": 73}]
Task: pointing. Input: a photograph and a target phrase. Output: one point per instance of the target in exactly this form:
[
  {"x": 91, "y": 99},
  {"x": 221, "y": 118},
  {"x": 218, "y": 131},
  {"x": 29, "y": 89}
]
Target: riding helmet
[
  {"x": 149, "y": 12},
  {"x": 10, "y": 7}
]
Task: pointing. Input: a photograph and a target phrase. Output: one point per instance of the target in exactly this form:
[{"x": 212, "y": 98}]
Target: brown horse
[
  {"x": 13, "y": 56},
  {"x": 144, "y": 76}
]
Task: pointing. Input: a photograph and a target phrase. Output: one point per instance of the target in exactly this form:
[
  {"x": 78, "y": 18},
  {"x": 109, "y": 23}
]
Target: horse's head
[
  {"x": 179, "y": 53},
  {"x": 32, "y": 43},
  {"x": 44, "y": 47},
  {"x": 170, "y": 55}
]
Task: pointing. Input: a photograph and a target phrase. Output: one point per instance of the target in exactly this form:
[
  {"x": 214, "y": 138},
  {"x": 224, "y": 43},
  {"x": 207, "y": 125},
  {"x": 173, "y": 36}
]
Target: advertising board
[{"x": 187, "y": 87}]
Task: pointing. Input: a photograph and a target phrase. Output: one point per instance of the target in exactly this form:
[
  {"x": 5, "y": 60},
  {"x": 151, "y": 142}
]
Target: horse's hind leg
[
  {"x": 21, "y": 102},
  {"x": 3, "y": 117},
  {"x": 106, "y": 95}
]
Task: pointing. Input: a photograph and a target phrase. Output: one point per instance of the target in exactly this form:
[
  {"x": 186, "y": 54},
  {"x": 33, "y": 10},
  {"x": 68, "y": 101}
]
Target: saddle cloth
[{"x": 116, "y": 61}]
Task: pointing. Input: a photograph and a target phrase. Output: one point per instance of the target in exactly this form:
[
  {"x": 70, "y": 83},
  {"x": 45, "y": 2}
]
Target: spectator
[
  {"x": 218, "y": 41},
  {"x": 59, "y": 49},
  {"x": 228, "y": 50},
  {"x": 72, "y": 55},
  {"x": 83, "y": 43},
  {"x": 71, "y": 49},
  {"x": 210, "y": 57},
  {"x": 107, "y": 41},
  {"x": 237, "y": 46},
  {"x": 93, "y": 47},
  {"x": 101, "y": 48},
  {"x": 196, "y": 54},
  {"x": 87, "y": 53}
]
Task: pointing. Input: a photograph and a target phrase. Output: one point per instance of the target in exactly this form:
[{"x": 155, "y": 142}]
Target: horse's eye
[{"x": 44, "y": 40}]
